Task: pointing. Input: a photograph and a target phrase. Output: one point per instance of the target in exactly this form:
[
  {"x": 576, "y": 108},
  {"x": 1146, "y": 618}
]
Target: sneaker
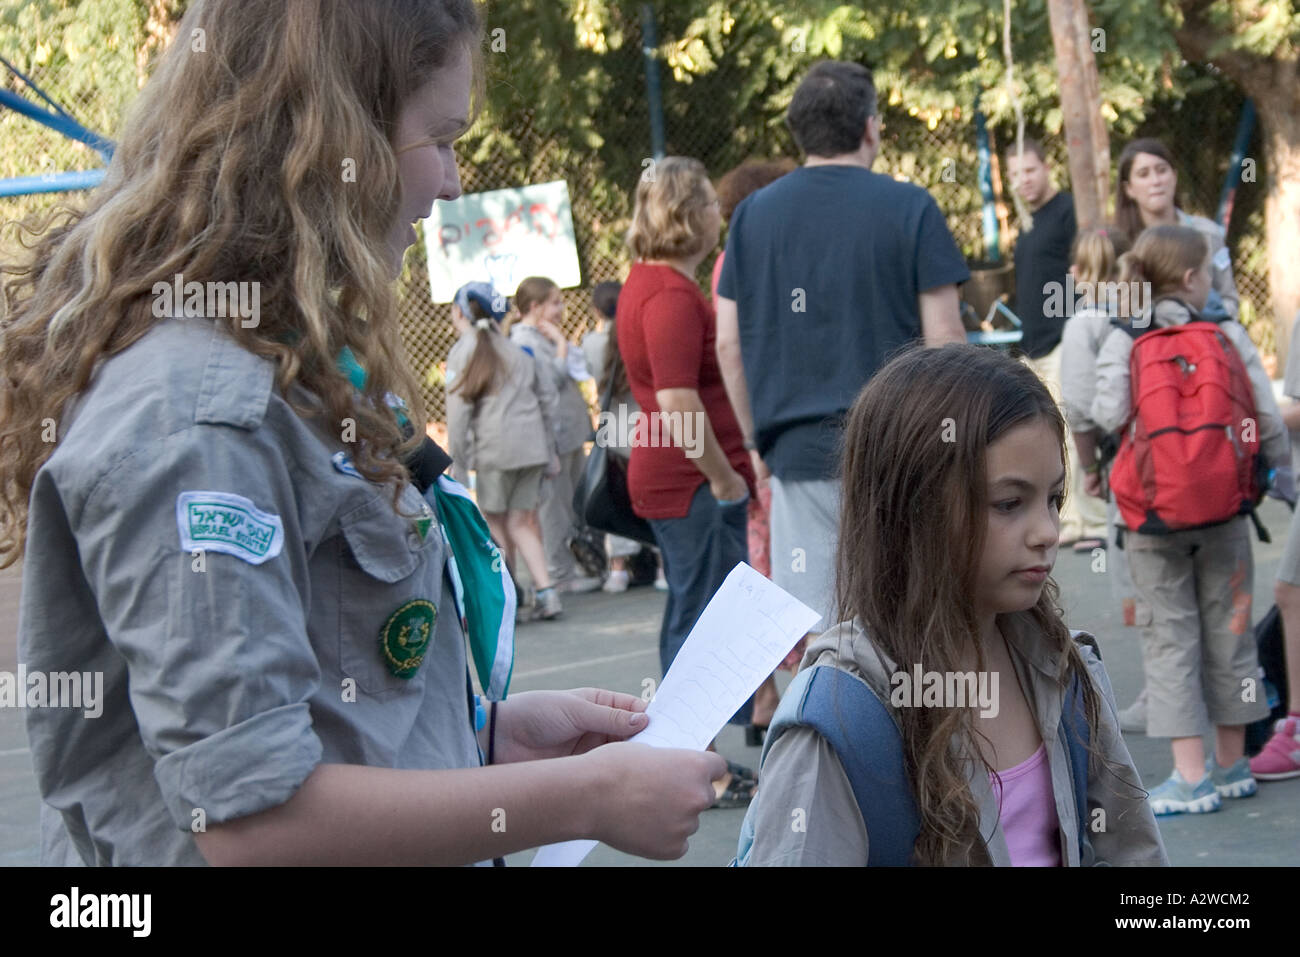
[
  {"x": 661, "y": 583},
  {"x": 548, "y": 604},
  {"x": 1134, "y": 717},
  {"x": 1233, "y": 782},
  {"x": 616, "y": 582},
  {"x": 1280, "y": 758},
  {"x": 579, "y": 585},
  {"x": 1176, "y": 796}
]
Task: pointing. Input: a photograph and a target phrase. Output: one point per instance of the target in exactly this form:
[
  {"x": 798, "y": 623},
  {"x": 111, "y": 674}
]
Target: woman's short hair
[{"x": 672, "y": 201}]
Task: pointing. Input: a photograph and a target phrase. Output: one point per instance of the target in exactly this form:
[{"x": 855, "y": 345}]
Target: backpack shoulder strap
[
  {"x": 844, "y": 710},
  {"x": 1074, "y": 727}
]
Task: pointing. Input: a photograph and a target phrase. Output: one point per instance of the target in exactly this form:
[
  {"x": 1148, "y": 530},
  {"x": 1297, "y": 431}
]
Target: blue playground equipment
[
  {"x": 998, "y": 338},
  {"x": 59, "y": 120}
]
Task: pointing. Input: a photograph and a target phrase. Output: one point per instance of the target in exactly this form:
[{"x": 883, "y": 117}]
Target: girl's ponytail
[{"x": 485, "y": 365}]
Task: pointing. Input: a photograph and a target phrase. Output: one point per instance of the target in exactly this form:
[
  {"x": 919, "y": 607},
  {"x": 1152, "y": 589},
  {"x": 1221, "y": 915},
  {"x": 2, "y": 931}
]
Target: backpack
[
  {"x": 832, "y": 702},
  {"x": 1270, "y": 645},
  {"x": 1189, "y": 455}
]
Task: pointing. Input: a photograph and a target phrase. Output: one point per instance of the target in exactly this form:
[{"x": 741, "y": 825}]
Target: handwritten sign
[{"x": 500, "y": 237}]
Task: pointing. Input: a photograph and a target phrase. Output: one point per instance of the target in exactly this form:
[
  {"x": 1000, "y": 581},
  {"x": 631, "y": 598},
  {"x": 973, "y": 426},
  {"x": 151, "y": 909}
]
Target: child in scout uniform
[
  {"x": 951, "y": 718},
  {"x": 537, "y": 330},
  {"x": 214, "y": 517},
  {"x": 500, "y": 409}
]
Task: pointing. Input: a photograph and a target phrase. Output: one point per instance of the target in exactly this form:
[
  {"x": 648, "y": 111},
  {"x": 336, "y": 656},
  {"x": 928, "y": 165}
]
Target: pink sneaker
[{"x": 1280, "y": 758}]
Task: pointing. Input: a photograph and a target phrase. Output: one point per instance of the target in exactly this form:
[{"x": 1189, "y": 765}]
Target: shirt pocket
[{"x": 389, "y": 595}]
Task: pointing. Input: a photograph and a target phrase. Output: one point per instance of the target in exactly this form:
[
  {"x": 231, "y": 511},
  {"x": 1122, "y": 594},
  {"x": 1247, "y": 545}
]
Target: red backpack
[{"x": 1189, "y": 452}]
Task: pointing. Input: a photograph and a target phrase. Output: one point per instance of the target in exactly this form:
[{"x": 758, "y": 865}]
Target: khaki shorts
[
  {"x": 1199, "y": 650},
  {"x": 509, "y": 489}
]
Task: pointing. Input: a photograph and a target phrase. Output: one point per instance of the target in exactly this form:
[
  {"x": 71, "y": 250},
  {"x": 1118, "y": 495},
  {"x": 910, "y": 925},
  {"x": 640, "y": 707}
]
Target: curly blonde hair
[
  {"x": 231, "y": 166},
  {"x": 668, "y": 219}
]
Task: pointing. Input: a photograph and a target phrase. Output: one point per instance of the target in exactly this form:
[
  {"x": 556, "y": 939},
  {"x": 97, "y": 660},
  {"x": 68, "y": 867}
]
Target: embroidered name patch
[{"x": 222, "y": 522}]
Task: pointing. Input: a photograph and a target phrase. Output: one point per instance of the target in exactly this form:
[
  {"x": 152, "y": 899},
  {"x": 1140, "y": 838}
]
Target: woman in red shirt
[{"x": 689, "y": 473}]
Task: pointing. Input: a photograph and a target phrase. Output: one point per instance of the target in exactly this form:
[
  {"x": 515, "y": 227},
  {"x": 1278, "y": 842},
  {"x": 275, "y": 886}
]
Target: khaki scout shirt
[
  {"x": 802, "y": 772},
  {"x": 228, "y": 676}
]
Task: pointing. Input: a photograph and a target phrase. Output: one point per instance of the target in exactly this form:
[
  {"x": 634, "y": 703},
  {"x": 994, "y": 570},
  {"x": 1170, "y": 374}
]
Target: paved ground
[{"x": 611, "y": 641}]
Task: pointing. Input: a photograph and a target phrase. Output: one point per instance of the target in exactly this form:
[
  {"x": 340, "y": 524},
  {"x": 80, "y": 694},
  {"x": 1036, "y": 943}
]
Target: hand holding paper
[{"x": 748, "y": 627}]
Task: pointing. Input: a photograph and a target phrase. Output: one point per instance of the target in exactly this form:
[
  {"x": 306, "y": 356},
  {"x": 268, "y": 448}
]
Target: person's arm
[
  {"x": 675, "y": 325},
  {"x": 636, "y": 798},
  {"x": 547, "y": 402},
  {"x": 724, "y": 481},
  {"x": 1291, "y": 415},
  {"x": 462, "y": 816},
  {"x": 1111, "y": 404},
  {"x": 732, "y": 366},
  {"x": 805, "y": 814},
  {"x": 938, "y": 268},
  {"x": 941, "y": 315},
  {"x": 1079, "y": 347},
  {"x": 1221, "y": 274}
]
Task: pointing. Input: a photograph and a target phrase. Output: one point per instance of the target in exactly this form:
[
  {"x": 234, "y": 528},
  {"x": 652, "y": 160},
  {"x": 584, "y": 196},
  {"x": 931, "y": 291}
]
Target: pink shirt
[{"x": 1028, "y": 812}]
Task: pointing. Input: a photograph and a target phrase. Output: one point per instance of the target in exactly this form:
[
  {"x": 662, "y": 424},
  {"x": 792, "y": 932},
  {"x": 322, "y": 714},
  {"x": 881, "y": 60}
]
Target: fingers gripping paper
[{"x": 749, "y": 626}]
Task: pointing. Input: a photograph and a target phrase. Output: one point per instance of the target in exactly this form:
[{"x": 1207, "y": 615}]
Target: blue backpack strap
[
  {"x": 1074, "y": 726},
  {"x": 844, "y": 710}
]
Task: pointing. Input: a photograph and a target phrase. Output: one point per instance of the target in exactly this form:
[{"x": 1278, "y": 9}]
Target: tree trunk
[
  {"x": 1279, "y": 114},
  {"x": 1076, "y": 70},
  {"x": 1271, "y": 83}
]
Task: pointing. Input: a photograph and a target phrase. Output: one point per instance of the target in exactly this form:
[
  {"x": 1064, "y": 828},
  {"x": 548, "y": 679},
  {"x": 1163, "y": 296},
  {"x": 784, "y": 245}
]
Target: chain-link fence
[{"x": 601, "y": 177}]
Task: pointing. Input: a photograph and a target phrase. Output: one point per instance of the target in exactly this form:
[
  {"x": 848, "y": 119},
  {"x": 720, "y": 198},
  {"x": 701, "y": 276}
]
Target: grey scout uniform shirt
[{"x": 223, "y": 687}]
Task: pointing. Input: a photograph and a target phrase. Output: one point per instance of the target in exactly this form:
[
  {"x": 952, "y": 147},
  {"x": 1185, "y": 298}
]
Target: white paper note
[{"x": 749, "y": 626}]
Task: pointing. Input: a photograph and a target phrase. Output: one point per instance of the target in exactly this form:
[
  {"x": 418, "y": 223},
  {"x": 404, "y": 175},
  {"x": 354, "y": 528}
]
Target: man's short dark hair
[
  {"x": 830, "y": 108},
  {"x": 605, "y": 298},
  {"x": 1031, "y": 146}
]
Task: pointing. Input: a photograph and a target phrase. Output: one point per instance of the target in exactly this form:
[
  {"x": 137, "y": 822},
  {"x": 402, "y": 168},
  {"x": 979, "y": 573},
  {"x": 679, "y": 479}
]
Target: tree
[
  {"x": 1081, "y": 105},
  {"x": 1255, "y": 43}
]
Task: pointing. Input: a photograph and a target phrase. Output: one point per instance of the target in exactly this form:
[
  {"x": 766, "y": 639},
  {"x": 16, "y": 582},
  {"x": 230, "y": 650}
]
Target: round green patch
[{"x": 405, "y": 636}]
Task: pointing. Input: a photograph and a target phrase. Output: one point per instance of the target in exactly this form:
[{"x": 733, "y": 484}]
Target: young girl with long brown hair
[
  {"x": 953, "y": 473},
  {"x": 218, "y": 520}
]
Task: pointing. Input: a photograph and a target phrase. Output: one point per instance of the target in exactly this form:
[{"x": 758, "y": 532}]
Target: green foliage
[{"x": 83, "y": 54}]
